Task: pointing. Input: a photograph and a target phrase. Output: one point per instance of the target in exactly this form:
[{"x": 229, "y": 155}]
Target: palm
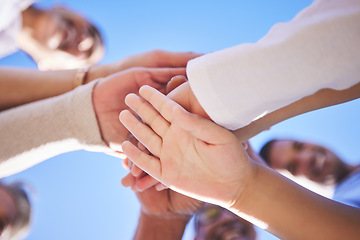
[
  {"x": 195, "y": 156},
  {"x": 198, "y": 161},
  {"x": 109, "y": 97}
]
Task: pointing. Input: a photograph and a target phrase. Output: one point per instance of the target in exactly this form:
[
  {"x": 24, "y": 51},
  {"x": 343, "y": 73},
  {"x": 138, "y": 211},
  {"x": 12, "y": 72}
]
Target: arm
[
  {"x": 35, "y": 132},
  {"x": 86, "y": 118},
  {"x": 164, "y": 214},
  {"x": 150, "y": 228},
  {"x": 19, "y": 86},
  {"x": 318, "y": 49},
  {"x": 188, "y": 149},
  {"x": 321, "y": 99}
]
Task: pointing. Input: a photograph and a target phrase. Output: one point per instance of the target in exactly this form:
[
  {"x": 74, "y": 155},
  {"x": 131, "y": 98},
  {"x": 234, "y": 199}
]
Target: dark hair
[
  {"x": 21, "y": 225},
  {"x": 265, "y": 150}
]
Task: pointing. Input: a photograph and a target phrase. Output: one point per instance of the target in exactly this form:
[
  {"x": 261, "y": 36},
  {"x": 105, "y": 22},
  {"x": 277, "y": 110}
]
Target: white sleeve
[
  {"x": 11, "y": 24},
  {"x": 319, "y": 48},
  {"x": 37, "y": 131}
]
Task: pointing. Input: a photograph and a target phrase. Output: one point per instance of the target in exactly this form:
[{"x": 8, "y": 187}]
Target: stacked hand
[
  {"x": 186, "y": 149},
  {"x": 109, "y": 93}
]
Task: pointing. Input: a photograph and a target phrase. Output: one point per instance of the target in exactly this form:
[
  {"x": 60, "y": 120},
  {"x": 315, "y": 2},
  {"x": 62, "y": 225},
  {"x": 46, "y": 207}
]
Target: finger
[
  {"x": 128, "y": 181},
  {"x": 159, "y": 187},
  {"x": 201, "y": 128},
  {"x": 117, "y": 154},
  {"x": 174, "y": 83},
  {"x": 177, "y": 59},
  {"x": 163, "y": 75},
  {"x": 145, "y": 183},
  {"x": 126, "y": 163},
  {"x": 149, "y": 164},
  {"x": 159, "y": 101},
  {"x": 148, "y": 114},
  {"x": 141, "y": 132},
  {"x": 136, "y": 171}
]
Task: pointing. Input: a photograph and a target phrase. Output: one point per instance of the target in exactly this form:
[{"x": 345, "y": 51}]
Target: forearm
[
  {"x": 19, "y": 85},
  {"x": 318, "y": 49},
  {"x": 152, "y": 228},
  {"x": 37, "y": 131},
  {"x": 321, "y": 99},
  {"x": 290, "y": 211}
]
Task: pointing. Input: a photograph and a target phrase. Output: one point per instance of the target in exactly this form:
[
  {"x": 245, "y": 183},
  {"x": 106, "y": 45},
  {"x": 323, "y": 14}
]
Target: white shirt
[
  {"x": 348, "y": 191},
  {"x": 319, "y": 48},
  {"x": 11, "y": 23}
]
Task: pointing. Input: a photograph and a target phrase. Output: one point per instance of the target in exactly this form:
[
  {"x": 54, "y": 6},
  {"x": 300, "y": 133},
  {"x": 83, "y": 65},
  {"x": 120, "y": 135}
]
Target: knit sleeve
[{"x": 37, "y": 131}]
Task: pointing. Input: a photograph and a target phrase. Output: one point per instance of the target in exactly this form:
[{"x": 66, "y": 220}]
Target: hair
[
  {"x": 19, "y": 228},
  {"x": 265, "y": 150},
  {"x": 96, "y": 54}
]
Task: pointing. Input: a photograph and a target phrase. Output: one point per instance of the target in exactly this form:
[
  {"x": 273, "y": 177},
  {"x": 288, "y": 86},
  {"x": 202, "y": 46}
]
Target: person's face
[
  {"x": 66, "y": 34},
  {"x": 7, "y": 208},
  {"x": 216, "y": 223},
  {"x": 302, "y": 158}
]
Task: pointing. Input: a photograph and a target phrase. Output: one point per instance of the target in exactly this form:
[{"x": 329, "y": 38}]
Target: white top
[
  {"x": 11, "y": 23},
  {"x": 319, "y": 48},
  {"x": 348, "y": 191},
  {"x": 40, "y": 130}
]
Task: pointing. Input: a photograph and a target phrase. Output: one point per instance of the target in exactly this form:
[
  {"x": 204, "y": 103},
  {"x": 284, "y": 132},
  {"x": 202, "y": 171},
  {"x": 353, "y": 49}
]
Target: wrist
[
  {"x": 99, "y": 71},
  {"x": 158, "y": 228},
  {"x": 246, "y": 192},
  {"x": 167, "y": 216},
  {"x": 81, "y": 77}
]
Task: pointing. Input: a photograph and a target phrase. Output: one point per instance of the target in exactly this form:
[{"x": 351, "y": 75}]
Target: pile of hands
[{"x": 176, "y": 155}]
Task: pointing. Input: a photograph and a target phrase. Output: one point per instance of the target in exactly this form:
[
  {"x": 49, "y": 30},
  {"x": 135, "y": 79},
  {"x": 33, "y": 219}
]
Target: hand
[
  {"x": 165, "y": 203},
  {"x": 179, "y": 90},
  {"x": 109, "y": 97},
  {"x": 195, "y": 156},
  {"x": 154, "y": 58},
  {"x": 252, "y": 154}
]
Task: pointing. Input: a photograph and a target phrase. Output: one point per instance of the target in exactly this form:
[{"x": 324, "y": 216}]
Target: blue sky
[{"x": 78, "y": 194}]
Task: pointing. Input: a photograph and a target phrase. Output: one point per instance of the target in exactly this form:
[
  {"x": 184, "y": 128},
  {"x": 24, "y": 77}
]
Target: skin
[
  {"x": 185, "y": 157},
  {"x": 323, "y": 98},
  {"x": 7, "y": 206},
  {"x": 58, "y": 38},
  {"x": 222, "y": 224},
  {"x": 166, "y": 211},
  {"x": 310, "y": 160},
  {"x": 19, "y": 86}
]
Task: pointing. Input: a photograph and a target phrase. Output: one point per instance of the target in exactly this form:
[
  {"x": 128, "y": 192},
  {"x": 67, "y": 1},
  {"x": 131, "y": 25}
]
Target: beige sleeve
[{"x": 37, "y": 131}]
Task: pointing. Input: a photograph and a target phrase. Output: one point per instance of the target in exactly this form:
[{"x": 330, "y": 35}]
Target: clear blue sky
[{"x": 78, "y": 194}]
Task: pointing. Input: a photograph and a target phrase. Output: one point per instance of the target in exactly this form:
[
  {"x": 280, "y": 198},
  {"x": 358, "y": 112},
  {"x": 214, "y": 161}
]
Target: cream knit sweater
[{"x": 37, "y": 131}]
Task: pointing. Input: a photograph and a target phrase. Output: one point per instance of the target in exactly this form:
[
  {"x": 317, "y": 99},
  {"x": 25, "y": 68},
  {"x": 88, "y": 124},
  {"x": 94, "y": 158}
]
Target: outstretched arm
[
  {"x": 86, "y": 118},
  {"x": 203, "y": 160},
  {"x": 323, "y": 98},
  {"x": 163, "y": 214},
  {"x": 20, "y": 85}
]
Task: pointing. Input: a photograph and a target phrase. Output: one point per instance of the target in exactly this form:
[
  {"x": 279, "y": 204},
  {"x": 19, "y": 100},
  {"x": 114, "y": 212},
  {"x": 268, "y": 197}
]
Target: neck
[
  {"x": 26, "y": 39},
  {"x": 346, "y": 171},
  {"x": 30, "y": 16}
]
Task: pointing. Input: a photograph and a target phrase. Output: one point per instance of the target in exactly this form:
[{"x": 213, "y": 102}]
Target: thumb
[{"x": 201, "y": 128}]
